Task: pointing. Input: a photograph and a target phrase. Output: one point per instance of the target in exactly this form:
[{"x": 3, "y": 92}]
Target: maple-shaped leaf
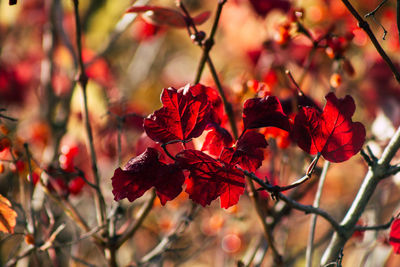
[
  {"x": 264, "y": 112},
  {"x": 210, "y": 179},
  {"x": 332, "y": 133},
  {"x": 216, "y": 140},
  {"x": 144, "y": 172},
  {"x": 217, "y": 109},
  {"x": 182, "y": 117},
  {"x": 247, "y": 152},
  {"x": 263, "y": 7},
  {"x": 394, "y": 236},
  {"x": 7, "y": 216},
  {"x": 167, "y": 16}
]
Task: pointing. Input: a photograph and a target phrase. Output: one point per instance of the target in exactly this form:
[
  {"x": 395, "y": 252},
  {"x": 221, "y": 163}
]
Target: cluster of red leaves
[{"x": 188, "y": 111}]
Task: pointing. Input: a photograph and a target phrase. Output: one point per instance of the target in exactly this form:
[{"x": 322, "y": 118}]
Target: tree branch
[
  {"x": 374, "y": 175},
  {"x": 83, "y": 80},
  {"x": 365, "y": 26},
  {"x": 296, "y": 205}
]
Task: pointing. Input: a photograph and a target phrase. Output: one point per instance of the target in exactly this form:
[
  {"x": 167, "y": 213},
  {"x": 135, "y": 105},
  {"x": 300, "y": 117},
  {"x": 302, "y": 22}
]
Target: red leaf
[
  {"x": 210, "y": 179},
  {"x": 216, "y": 140},
  {"x": 263, "y": 7},
  {"x": 182, "y": 117},
  {"x": 166, "y": 16},
  {"x": 394, "y": 236},
  {"x": 332, "y": 132},
  {"x": 143, "y": 172},
  {"x": 264, "y": 112},
  {"x": 247, "y": 152},
  {"x": 217, "y": 109}
]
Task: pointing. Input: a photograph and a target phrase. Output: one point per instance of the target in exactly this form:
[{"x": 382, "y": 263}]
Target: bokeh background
[{"x": 130, "y": 63}]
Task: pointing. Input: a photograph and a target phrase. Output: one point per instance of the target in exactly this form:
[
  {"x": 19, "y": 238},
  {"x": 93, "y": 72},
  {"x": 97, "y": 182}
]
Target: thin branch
[
  {"x": 267, "y": 229},
  {"x": 209, "y": 42},
  {"x": 375, "y": 227},
  {"x": 205, "y": 58},
  {"x": 310, "y": 245},
  {"x": 393, "y": 170},
  {"x": 273, "y": 189},
  {"x": 83, "y": 80},
  {"x": 166, "y": 242},
  {"x": 296, "y": 205},
  {"x": 296, "y": 85},
  {"x": 31, "y": 189},
  {"x": 398, "y": 16},
  {"x": 373, "y": 12},
  {"x": 52, "y": 237},
  {"x": 365, "y": 26},
  {"x": 227, "y": 106},
  {"x": 14, "y": 261},
  {"x": 142, "y": 214}
]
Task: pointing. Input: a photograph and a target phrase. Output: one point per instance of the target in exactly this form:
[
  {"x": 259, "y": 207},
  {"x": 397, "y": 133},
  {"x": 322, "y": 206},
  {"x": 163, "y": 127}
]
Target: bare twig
[
  {"x": 142, "y": 214},
  {"x": 205, "y": 58},
  {"x": 310, "y": 245},
  {"x": 373, "y": 12},
  {"x": 82, "y": 80},
  {"x": 31, "y": 189},
  {"x": 398, "y": 16},
  {"x": 165, "y": 243},
  {"x": 375, "y": 227},
  {"x": 267, "y": 229},
  {"x": 308, "y": 209},
  {"x": 209, "y": 42},
  {"x": 296, "y": 205},
  {"x": 365, "y": 26}
]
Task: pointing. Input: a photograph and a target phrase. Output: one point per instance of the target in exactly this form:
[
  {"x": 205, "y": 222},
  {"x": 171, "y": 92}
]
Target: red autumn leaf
[
  {"x": 332, "y": 132},
  {"x": 264, "y": 112},
  {"x": 263, "y": 7},
  {"x": 247, "y": 151},
  {"x": 394, "y": 236},
  {"x": 166, "y": 16},
  {"x": 144, "y": 172},
  {"x": 217, "y": 109},
  {"x": 210, "y": 179},
  {"x": 216, "y": 140},
  {"x": 7, "y": 216},
  {"x": 182, "y": 117}
]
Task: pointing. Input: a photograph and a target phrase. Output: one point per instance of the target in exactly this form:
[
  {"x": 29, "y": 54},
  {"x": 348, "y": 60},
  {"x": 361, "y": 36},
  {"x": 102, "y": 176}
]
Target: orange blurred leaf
[{"x": 7, "y": 216}]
